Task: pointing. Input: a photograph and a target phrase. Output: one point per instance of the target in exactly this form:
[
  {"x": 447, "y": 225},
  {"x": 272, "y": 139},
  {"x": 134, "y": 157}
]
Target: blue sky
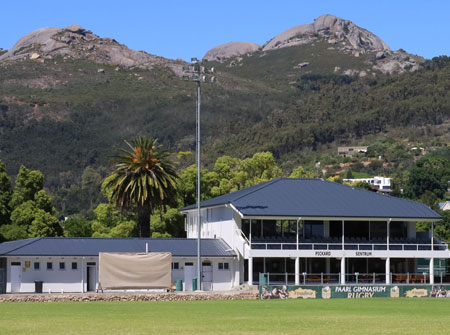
[{"x": 187, "y": 29}]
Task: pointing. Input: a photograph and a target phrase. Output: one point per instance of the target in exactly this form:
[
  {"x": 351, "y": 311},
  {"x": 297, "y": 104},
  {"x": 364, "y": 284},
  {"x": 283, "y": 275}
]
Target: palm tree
[{"x": 144, "y": 180}]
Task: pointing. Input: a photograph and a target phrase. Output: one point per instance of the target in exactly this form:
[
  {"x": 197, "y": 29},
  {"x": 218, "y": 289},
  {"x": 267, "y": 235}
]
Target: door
[
  {"x": 16, "y": 276},
  {"x": 91, "y": 279},
  {"x": 206, "y": 276},
  {"x": 2, "y": 275},
  {"x": 2, "y": 281},
  {"x": 189, "y": 274}
]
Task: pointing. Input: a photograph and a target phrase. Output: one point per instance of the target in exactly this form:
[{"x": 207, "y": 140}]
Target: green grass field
[{"x": 339, "y": 316}]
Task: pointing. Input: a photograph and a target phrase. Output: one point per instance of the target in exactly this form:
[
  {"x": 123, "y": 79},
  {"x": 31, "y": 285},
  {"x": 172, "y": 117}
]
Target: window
[
  {"x": 15, "y": 263},
  {"x": 74, "y": 265},
  {"x": 37, "y": 265},
  {"x": 175, "y": 266},
  {"x": 62, "y": 265},
  {"x": 224, "y": 266},
  {"x": 188, "y": 264},
  {"x": 49, "y": 266}
]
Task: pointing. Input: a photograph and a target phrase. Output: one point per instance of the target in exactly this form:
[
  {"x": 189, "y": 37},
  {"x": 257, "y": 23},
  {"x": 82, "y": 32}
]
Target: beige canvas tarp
[{"x": 135, "y": 270}]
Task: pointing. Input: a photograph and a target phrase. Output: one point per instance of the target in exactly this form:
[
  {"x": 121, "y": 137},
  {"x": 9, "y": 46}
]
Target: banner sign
[{"x": 352, "y": 291}]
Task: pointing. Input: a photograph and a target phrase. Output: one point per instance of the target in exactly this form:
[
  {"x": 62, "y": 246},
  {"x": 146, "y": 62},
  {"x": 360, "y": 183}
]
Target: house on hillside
[
  {"x": 350, "y": 151},
  {"x": 444, "y": 206},
  {"x": 378, "y": 184}
]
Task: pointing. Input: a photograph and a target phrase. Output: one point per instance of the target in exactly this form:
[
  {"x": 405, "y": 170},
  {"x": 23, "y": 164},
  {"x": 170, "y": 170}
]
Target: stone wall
[{"x": 127, "y": 297}]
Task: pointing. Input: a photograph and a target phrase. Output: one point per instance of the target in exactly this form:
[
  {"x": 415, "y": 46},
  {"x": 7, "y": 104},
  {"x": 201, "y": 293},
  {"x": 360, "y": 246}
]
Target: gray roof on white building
[
  {"x": 78, "y": 246},
  {"x": 318, "y": 198}
]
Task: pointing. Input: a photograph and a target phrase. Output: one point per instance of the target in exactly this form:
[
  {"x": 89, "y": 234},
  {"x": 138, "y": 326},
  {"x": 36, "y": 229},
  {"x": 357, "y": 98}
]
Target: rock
[
  {"x": 362, "y": 74},
  {"x": 100, "y": 71},
  {"x": 35, "y": 56},
  {"x": 341, "y": 29},
  {"x": 300, "y": 65},
  {"x": 117, "y": 69},
  {"x": 337, "y": 68},
  {"x": 75, "y": 28},
  {"x": 380, "y": 55},
  {"x": 230, "y": 49},
  {"x": 350, "y": 72},
  {"x": 78, "y": 43}
]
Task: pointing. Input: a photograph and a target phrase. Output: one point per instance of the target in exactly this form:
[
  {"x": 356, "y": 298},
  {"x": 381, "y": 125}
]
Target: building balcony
[{"x": 335, "y": 243}]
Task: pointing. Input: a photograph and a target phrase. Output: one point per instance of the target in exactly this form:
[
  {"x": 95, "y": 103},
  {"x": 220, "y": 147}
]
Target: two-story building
[{"x": 316, "y": 231}]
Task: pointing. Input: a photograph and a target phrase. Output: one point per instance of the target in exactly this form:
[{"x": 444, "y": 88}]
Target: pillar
[
  {"x": 250, "y": 271},
  {"x": 326, "y": 228},
  {"x": 343, "y": 270},
  {"x": 297, "y": 270},
  {"x": 327, "y": 265},
  {"x": 388, "y": 270},
  {"x": 431, "y": 271},
  {"x": 432, "y": 236}
]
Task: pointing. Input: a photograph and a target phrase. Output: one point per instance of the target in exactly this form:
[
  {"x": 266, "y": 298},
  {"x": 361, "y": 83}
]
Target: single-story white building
[{"x": 72, "y": 264}]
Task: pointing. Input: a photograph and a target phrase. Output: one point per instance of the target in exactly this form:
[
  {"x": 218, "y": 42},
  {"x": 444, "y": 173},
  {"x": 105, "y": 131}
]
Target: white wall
[
  {"x": 69, "y": 280},
  {"x": 55, "y": 280}
]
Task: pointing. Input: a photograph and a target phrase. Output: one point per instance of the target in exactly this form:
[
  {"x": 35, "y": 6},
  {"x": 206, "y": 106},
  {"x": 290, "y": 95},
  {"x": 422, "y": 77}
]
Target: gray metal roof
[
  {"x": 77, "y": 246},
  {"x": 318, "y": 198}
]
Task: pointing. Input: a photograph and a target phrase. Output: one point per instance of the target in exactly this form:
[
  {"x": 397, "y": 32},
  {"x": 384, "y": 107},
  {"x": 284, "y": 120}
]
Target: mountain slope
[{"x": 65, "y": 108}]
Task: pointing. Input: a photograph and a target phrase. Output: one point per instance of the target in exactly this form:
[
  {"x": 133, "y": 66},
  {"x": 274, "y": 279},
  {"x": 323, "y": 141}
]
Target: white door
[
  {"x": 207, "y": 277},
  {"x": 189, "y": 274},
  {"x": 16, "y": 276}
]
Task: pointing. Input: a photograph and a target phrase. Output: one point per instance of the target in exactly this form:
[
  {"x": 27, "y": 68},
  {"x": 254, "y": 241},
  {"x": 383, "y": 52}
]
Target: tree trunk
[{"x": 144, "y": 221}]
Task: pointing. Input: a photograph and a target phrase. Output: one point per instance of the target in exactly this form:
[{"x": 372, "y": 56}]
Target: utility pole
[{"x": 196, "y": 72}]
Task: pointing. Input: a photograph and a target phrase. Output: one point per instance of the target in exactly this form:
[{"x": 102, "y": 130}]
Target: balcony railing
[{"x": 366, "y": 246}]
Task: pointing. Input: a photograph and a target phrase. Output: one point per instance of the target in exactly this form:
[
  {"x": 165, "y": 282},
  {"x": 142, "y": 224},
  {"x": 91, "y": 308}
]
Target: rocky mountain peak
[
  {"x": 231, "y": 49},
  {"x": 330, "y": 27},
  {"x": 79, "y": 43}
]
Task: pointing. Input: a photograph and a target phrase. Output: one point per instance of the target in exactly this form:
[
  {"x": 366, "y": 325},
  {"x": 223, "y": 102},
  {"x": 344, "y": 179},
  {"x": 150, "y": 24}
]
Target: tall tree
[
  {"x": 32, "y": 213},
  {"x": 5, "y": 195},
  {"x": 144, "y": 180},
  {"x": 28, "y": 183}
]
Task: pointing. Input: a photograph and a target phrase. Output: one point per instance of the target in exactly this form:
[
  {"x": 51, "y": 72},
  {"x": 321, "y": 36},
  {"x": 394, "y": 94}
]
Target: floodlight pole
[
  {"x": 194, "y": 73},
  {"x": 199, "y": 237}
]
